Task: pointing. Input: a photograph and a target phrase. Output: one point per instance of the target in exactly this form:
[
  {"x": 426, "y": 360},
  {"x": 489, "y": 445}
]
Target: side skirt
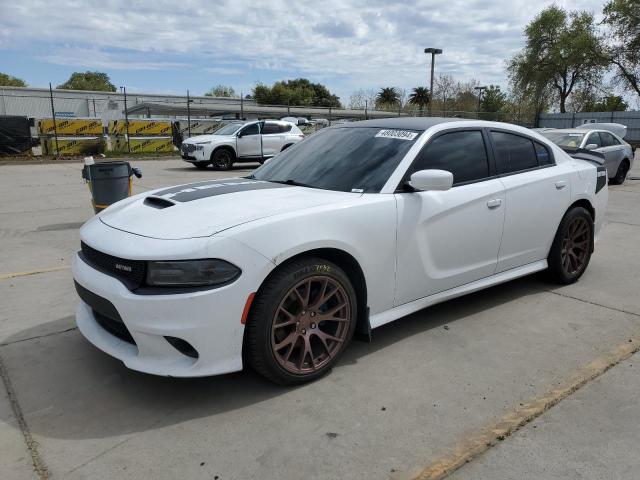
[{"x": 408, "y": 308}]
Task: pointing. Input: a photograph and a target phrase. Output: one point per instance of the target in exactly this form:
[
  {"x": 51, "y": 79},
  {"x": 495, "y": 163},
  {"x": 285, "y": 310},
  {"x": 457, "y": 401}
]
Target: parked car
[
  {"x": 355, "y": 227},
  {"x": 618, "y": 153},
  {"x": 254, "y": 141}
]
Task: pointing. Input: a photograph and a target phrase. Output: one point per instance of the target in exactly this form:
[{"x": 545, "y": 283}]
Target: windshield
[
  {"x": 228, "y": 129},
  {"x": 564, "y": 139},
  {"x": 343, "y": 159}
]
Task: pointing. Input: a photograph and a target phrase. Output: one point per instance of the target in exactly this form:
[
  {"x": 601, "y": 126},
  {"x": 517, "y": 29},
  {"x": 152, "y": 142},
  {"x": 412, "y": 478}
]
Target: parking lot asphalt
[{"x": 396, "y": 407}]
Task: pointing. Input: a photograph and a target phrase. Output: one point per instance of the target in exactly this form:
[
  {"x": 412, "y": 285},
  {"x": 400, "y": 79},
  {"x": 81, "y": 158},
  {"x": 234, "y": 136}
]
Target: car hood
[
  {"x": 208, "y": 138},
  {"x": 205, "y": 208}
]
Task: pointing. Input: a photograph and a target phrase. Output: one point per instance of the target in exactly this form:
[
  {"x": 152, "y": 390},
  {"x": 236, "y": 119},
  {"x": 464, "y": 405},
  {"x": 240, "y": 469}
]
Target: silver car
[{"x": 618, "y": 153}]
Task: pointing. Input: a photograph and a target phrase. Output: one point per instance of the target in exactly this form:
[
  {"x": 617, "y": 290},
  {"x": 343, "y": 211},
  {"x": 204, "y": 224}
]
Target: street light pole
[
  {"x": 433, "y": 52},
  {"x": 480, "y": 90}
]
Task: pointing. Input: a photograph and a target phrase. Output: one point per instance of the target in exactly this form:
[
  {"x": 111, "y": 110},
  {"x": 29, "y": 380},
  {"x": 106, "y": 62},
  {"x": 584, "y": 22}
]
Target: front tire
[
  {"x": 621, "y": 173},
  {"x": 572, "y": 246},
  {"x": 301, "y": 321},
  {"x": 222, "y": 159}
]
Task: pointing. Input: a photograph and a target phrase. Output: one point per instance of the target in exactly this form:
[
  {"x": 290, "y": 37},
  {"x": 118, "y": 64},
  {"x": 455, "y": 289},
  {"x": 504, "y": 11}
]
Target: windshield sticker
[{"x": 397, "y": 134}]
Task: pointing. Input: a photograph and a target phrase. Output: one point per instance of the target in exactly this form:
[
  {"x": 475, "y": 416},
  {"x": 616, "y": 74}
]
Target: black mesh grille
[
  {"x": 129, "y": 272},
  {"x": 188, "y": 148}
]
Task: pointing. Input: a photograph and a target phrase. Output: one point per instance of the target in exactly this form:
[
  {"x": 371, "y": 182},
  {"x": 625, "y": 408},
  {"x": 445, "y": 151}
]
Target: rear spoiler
[{"x": 596, "y": 158}]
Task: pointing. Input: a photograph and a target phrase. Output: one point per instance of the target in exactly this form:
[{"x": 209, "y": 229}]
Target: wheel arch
[
  {"x": 223, "y": 147},
  {"x": 354, "y": 271},
  {"x": 285, "y": 146},
  {"x": 586, "y": 204}
]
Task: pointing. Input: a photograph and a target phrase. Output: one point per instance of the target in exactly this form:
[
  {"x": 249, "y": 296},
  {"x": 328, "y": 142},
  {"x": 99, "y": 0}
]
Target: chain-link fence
[{"x": 121, "y": 122}]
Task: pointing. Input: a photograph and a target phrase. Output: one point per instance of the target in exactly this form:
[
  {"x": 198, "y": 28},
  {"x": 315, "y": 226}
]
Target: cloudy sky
[{"x": 168, "y": 46}]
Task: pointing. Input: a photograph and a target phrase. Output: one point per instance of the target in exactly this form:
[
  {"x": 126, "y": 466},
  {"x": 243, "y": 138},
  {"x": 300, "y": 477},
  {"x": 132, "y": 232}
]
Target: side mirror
[
  {"x": 240, "y": 134},
  {"x": 591, "y": 146},
  {"x": 425, "y": 180}
]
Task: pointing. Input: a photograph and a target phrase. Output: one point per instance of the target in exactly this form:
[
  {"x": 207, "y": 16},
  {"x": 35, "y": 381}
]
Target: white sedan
[
  {"x": 618, "y": 154},
  {"x": 353, "y": 228}
]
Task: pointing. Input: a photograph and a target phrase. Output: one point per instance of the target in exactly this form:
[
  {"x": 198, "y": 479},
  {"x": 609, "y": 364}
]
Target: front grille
[
  {"x": 129, "y": 272},
  {"x": 188, "y": 148},
  {"x": 116, "y": 328}
]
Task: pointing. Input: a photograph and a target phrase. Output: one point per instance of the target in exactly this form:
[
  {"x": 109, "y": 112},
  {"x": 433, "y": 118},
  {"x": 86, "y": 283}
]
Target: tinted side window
[
  {"x": 285, "y": 128},
  {"x": 269, "y": 128},
  {"x": 251, "y": 130},
  {"x": 595, "y": 139},
  {"x": 513, "y": 153},
  {"x": 608, "y": 139},
  {"x": 543, "y": 154},
  {"x": 461, "y": 153}
]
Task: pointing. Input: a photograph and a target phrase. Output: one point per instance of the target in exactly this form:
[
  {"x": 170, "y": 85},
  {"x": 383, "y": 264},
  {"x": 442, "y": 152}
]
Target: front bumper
[
  {"x": 194, "y": 156},
  {"x": 208, "y": 320}
]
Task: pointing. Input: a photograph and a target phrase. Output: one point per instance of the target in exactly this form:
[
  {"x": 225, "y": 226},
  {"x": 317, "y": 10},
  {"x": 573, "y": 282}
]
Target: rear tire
[
  {"x": 572, "y": 247},
  {"x": 301, "y": 321},
  {"x": 621, "y": 174},
  {"x": 222, "y": 159}
]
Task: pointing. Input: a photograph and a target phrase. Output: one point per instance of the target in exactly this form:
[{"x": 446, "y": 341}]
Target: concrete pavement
[{"x": 389, "y": 408}]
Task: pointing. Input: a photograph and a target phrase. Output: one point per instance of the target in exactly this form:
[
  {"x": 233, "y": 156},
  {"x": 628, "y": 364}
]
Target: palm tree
[
  {"x": 420, "y": 97},
  {"x": 387, "y": 97}
]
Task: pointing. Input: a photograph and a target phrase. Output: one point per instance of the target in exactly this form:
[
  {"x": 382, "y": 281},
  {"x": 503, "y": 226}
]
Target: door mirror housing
[
  {"x": 591, "y": 146},
  {"x": 428, "y": 180}
]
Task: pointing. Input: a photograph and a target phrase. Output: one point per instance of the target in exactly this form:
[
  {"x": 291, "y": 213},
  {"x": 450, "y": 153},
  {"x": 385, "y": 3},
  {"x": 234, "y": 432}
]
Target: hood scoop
[{"x": 158, "y": 202}]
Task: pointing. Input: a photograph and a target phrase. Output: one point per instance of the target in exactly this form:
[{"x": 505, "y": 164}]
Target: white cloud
[{"x": 356, "y": 43}]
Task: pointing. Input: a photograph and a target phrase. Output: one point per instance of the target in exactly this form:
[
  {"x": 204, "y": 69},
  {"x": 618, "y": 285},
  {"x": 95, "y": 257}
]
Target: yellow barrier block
[
  {"x": 143, "y": 144},
  {"x": 140, "y": 127},
  {"x": 71, "y": 126},
  {"x": 73, "y": 145}
]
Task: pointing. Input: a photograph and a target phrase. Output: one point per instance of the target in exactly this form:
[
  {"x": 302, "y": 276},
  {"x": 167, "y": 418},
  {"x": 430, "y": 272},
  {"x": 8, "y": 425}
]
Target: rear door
[
  {"x": 613, "y": 152},
  {"x": 248, "y": 142},
  {"x": 449, "y": 238},
  {"x": 538, "y": 193},
  {"x": 272, "y": 139}
]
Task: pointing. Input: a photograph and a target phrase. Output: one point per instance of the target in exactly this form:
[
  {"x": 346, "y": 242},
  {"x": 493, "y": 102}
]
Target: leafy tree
[
  {"x": 493, "y": 101},
  {"x": 221, "y": 91},
  {"x": 420, "y": 97},
  {"x": 562, "y": 52},
  {"x": 623, "y": 18},
  {"x": 9, "y": 81},
  {"x": 388, "y": 97},
  {"x": 299, "y": 92},
  {"x": 95, "y": 81},
  {"x": 610, "y": 103}
]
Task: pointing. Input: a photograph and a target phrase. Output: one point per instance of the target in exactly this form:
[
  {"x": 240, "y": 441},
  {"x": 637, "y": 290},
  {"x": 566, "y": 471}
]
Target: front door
[
  {"x": 249, "y": 143},
  {"x": 449, "y": 238}
]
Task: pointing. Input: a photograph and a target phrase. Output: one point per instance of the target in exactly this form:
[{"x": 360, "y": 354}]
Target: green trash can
[{"x": 109, "y": 182}]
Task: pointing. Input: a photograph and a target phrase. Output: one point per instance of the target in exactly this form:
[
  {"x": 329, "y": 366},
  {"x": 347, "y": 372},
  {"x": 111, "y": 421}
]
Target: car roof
[{"x": 411, "y": 123}]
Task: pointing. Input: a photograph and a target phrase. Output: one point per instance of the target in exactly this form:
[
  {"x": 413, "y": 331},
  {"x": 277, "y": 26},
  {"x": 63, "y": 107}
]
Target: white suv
[{"x": 240, "y": 142}]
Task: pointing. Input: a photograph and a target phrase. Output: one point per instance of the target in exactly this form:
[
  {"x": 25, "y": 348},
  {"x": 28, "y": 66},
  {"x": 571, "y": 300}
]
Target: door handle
[
  {"x": 495, "y": 203},
  {"x": 561, "y": 184}
]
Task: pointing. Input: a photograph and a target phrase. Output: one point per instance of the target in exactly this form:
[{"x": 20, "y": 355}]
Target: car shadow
[{"x": 78, "y": 392}]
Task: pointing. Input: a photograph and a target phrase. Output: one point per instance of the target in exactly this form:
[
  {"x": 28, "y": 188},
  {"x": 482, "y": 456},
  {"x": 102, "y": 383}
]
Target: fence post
[
  {"x": 126, "y": 119},
  {"x": 365, "y": 110},
  {"x": 241, "y": 106},
  {"x": 329, "y": 115},
  {"x": 53, "y": 115},
  {"x": 188, "y": 114}
]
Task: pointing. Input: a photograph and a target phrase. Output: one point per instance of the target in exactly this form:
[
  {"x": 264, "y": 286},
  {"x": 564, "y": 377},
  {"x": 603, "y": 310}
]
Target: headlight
[
  {"x": 200, "y": 146},
  {"x": 191, "y": 273}
]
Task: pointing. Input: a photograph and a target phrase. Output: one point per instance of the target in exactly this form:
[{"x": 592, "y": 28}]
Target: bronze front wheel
[
  {"x": 310, "y": 324},
  {"x": 301, "y": 321}
]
